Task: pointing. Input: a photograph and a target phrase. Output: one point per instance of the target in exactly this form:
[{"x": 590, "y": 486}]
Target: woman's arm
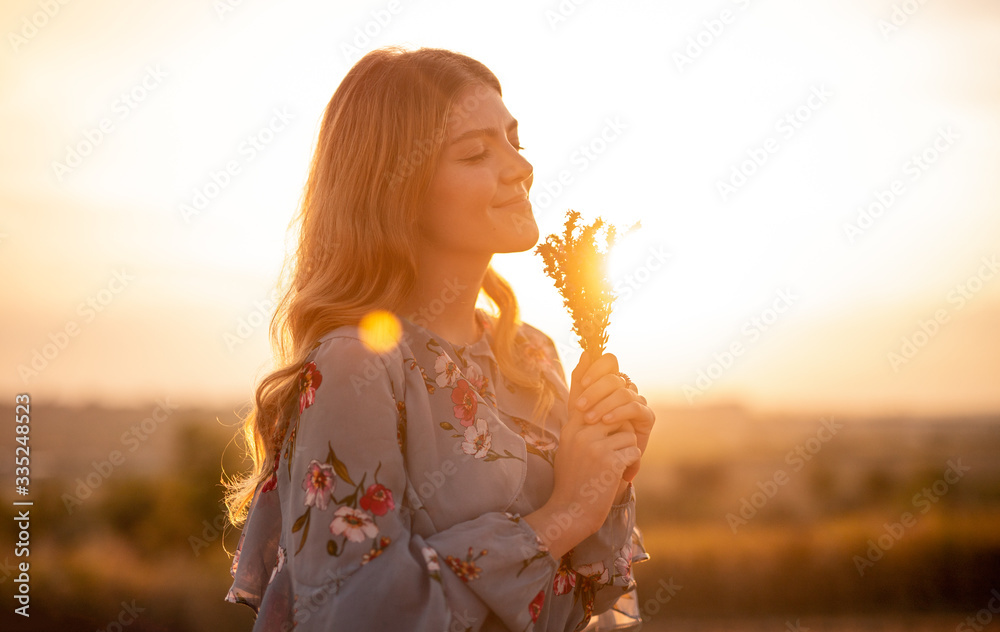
[{"x": 600, "y": 399}]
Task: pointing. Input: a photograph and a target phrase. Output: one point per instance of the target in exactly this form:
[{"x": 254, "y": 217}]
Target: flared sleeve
[
  {"x": 603, "y": 563},
  {"x": 347, "y": 556}
]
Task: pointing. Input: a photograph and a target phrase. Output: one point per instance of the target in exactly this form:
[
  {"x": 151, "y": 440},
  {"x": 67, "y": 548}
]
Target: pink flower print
[
  {"x": 564, "y": 582},
  {"x": 535, "y": 607},
  {"x": 280, "y": 564},
  {"x": 318, "y": 484},
  {"x": 236, "y": 563},
  {"x": 357, "y": 525},
  {"x": 378, "y": 500},
  {"x": 565, "y": 579},
  {"x": 477, "y": 439},
  {"x": 624, "y": 568},
  {"x": 476, "y": 377},
  {"x": 432, "y": 561},
  {"x": 465, "y": 402},
  {"x": 540, "y": 441},
  {"x": 309, "y": 380},
  {"x": 597, "y": 572},
  {"x": 536, "y": 354},
  {"x": 447, "y": 371},
  {"x": 272, "y": 482}
]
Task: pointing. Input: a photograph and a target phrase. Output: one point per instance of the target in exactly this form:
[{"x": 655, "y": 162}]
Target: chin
[{"x": 524, "y": 234}]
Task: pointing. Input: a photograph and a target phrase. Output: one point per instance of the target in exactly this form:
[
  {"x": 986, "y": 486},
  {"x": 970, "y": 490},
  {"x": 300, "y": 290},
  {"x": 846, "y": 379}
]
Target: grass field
[{"x": 150, "y": 534}]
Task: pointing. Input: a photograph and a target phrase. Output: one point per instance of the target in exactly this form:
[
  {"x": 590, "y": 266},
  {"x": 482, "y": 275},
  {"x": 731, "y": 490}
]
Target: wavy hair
[{"x": 379, "y": 142}]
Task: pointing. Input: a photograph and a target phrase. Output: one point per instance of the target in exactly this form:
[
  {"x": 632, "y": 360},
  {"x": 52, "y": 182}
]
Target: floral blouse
[{"x": 397, "y": 496}]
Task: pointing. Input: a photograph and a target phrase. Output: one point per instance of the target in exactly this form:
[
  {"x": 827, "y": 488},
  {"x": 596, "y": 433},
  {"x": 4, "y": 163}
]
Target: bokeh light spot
[{"x": 380, "y": 330}]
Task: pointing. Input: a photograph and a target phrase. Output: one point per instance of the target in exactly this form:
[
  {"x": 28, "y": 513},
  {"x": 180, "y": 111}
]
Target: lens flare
[{"x": 380, "y": 330}]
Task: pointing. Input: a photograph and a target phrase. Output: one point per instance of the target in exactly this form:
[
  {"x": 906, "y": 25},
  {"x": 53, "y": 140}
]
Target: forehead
[{"x": 476, "y": 107}]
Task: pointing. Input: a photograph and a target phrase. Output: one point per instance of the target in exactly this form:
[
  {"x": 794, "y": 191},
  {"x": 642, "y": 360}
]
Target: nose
[{"x": 518, "y": 170}]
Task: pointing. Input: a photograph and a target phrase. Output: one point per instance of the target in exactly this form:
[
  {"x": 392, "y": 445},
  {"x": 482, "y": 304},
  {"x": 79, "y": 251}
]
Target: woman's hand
[
  {"x": 604, "y": 397},
  {"x": 587, "y": 478}
]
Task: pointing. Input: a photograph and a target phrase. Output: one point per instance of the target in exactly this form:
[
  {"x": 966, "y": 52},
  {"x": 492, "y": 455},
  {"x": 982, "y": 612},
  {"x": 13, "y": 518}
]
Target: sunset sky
[{"x": 817, "y": 185}]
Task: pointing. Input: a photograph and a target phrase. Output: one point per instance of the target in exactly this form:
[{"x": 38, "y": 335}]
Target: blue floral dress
[{"x": 396, "y": 500}]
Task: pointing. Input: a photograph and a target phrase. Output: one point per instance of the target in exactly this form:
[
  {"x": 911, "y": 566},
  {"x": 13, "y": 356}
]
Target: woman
[{"x": 416, "y": 485}]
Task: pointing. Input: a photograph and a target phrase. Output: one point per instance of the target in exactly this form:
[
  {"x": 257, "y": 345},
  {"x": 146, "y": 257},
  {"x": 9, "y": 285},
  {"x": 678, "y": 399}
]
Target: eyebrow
[{"x": 483, "y": 131}]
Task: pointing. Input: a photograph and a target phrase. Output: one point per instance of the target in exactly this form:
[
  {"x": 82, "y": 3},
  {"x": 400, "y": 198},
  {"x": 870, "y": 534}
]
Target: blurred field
[{"x": 148, "y": 535}]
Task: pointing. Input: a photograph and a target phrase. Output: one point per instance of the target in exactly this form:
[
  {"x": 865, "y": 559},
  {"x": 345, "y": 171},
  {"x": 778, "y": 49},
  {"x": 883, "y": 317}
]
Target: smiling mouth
[{"x": 519, "y": 199}]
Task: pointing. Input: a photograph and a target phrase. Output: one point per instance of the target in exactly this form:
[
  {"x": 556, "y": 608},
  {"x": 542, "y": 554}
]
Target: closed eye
[{"x": 478, "y": 157}]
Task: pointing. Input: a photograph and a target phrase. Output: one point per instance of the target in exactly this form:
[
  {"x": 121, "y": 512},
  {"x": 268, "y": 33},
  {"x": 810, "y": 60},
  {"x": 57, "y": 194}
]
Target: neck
[{"x": 443, "y": 298}]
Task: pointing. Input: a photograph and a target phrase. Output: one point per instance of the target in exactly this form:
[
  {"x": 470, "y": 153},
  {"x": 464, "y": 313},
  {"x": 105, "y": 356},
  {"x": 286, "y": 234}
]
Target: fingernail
[
  {"x": 582, "y": 402},
  {"x": 590, "y": 416}
]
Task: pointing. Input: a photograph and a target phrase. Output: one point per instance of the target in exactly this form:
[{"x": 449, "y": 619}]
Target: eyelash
[{"x": 486, "y": 153}]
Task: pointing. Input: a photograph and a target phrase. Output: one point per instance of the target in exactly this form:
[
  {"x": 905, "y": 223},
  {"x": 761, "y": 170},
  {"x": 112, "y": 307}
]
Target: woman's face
[{"x": 477, "y": 202}]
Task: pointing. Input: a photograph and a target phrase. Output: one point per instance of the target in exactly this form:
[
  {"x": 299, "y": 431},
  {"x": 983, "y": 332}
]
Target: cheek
[
  {"x": 456, "y": 201},
  {"x": 461, "y": 193},
  {"x": 473, "y": 187}
]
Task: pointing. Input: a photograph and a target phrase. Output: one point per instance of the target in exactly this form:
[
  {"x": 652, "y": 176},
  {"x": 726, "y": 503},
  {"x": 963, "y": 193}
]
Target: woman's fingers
[
  {"x": 634, "y": 412},
  {"x": 576, "y": 377},
  {"x": 625, "y": 451},
  {"x": 605, "y": 405},
  {"x": 605, "y": 448},
  {"x": 604, "y": 365},
  {"x": 606, "y": 386}
]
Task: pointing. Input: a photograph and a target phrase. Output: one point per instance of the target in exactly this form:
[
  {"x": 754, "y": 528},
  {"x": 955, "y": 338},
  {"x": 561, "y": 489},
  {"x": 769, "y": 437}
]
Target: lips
[{"x": 519, "y": 198}]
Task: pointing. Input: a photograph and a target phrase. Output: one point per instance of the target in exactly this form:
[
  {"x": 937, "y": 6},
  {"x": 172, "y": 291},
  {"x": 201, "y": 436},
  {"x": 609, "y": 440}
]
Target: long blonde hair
[{"x": 378, "y": 145}]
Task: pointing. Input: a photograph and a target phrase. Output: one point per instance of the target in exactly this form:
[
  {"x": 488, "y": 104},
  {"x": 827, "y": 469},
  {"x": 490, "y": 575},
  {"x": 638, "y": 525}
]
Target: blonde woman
[{"x": 450, "y": 480}]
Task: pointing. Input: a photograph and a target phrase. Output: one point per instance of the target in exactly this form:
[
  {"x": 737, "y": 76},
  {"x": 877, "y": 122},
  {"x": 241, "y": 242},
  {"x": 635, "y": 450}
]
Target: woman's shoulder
[
  {"x": 350, "y": 350},
  {"x": 537, "y": 346},
  {"x": 532, "y": 336},
  {"x": 526, "y": 333}
]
